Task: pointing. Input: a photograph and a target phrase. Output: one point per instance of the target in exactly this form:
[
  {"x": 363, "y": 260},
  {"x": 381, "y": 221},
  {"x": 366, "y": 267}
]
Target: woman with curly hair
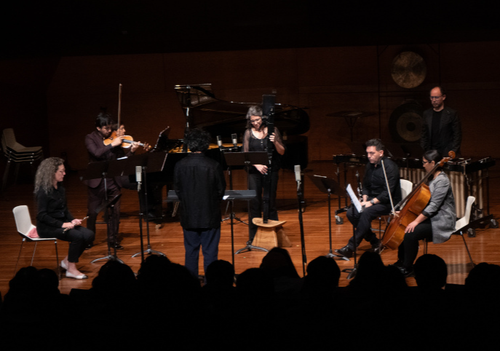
[{"x": 53, "y": 218}]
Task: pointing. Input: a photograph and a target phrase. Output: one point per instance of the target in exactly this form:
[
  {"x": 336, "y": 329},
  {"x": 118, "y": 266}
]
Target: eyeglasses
[
  {"x": 436, "y": 97},
  {"x": 255, "y": 120},
  {"x": 425, "y": 162}
]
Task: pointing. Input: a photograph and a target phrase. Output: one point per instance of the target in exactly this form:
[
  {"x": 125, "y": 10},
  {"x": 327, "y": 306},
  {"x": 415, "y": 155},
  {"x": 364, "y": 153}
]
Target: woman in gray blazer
[{"x": 437, "y": 221}]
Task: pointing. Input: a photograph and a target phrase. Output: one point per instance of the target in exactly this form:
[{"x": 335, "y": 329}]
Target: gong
[
  {"x": 405, "y": 123},
  {"x": 408, "y": 69}
]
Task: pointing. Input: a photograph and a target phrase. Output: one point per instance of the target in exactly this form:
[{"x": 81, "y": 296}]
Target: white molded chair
[
  {"x": 24, "y": 225},
  {"x": 406, "y": 188},
  {"x": 461, "y": 225}
]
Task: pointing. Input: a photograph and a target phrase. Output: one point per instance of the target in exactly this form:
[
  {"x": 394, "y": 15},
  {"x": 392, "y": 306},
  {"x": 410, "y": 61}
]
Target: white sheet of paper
[{"x": 354, "y": 198}]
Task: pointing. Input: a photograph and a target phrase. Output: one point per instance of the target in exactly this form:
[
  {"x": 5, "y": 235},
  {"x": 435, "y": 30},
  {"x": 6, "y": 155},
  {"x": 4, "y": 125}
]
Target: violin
[{"x": 127, "y": 141}]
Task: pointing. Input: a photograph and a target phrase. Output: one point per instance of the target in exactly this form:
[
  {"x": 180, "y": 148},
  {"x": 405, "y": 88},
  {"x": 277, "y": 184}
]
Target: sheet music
[{"x": 354, "y": 198}]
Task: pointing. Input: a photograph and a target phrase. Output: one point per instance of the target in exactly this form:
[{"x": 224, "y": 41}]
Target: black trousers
[
  {"x": 78, "y": 237},
  {"x": 362, "y": 223},
  {"x": 208, "y": 239},
  {"x": 408, "y": 250},
  {"x": 256, "y": 182}
]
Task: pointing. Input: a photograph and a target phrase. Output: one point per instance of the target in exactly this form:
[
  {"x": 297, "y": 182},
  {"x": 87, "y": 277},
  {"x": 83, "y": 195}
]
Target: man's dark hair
[
  {"x": 377, "y": 143},
  {"x": 443, "y": 91},
  {"x": 103, "y": 120},
  {"x": 198, "y": 140}
]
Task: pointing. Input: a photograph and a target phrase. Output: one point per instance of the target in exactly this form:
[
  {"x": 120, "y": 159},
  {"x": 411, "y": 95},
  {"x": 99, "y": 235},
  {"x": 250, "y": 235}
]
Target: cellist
[{"x": 437, "y": 221}]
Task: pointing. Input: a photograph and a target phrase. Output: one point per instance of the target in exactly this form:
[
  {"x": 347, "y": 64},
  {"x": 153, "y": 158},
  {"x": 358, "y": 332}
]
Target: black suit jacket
[
  {"x": 199, "y": 183},
  {"x": 450, "y": 132},
  {"x": 99, "y": 152}
]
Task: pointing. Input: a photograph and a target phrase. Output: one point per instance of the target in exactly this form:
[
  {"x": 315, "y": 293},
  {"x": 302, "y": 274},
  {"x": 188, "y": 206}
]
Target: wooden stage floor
[{"x": 485, "y": 247}]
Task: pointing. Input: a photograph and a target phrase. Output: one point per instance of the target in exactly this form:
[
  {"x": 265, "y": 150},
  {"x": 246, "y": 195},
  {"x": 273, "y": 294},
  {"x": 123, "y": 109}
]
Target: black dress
[{"x": 256, "y": 180}]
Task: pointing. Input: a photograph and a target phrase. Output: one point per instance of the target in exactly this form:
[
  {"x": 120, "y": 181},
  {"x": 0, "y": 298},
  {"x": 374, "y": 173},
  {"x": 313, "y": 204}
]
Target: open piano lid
[{"x": 219, "y": 117}]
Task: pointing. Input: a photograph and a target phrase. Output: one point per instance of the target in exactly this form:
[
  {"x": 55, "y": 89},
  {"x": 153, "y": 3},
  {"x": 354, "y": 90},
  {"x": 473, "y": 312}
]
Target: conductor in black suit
[
  {"x": 199, "y": 184},
  {"x": 441, "y": 129}
]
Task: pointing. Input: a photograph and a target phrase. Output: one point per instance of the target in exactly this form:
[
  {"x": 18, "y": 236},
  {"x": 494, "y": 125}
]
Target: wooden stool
[{"x": 270, "y": 234}]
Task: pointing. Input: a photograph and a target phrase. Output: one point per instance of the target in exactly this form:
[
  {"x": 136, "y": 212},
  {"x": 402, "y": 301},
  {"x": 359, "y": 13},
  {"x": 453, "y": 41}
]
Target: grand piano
[{"x": 224, "y": 118}]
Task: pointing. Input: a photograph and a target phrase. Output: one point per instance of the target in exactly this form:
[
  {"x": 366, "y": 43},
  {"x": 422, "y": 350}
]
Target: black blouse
[{"x": 52, "y": 210}]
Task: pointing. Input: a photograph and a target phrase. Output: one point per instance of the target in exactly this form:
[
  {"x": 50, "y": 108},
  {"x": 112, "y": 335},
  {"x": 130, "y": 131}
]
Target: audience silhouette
[{"x": 261, "y": 308}]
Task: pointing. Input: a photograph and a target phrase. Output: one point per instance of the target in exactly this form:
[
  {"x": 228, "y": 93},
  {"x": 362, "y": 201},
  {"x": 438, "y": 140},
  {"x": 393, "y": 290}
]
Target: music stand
[
  {"x": 100, "y": 170},
  {"x": 108, "y": 205},
  {"x": 328, "y": 186},
  {"x": 148, "y": 163},
  {"x": 230, "y": 174},
  {"x": 231, "y": 195},
  {"x": 352, "y": 271},
  {"x": 247, "y": 159}
]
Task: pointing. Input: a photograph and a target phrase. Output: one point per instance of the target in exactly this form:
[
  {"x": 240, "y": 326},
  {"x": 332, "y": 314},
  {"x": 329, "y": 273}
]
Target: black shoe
[
  {"x": 398, "y": 264},
  {"x": 117, "y": 246},
  {"x": 345, "y": 251},
  {"x": 376, "y": 245},
  {"x": 407, "y": 272},
  {"x": 89, "y": 246}
]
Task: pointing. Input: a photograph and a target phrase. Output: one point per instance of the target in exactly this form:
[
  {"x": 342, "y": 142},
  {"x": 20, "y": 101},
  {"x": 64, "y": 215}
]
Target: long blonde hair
[{"x": 45, "y": 174}]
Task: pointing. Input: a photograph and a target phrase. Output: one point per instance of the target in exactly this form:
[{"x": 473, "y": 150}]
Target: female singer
[
  {"x": 54, "y": 219},
  {"x": 437, "y": 221},
  {"x": 256, "y": 139}
]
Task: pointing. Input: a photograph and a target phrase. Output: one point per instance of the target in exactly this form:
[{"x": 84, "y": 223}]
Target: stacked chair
[{"x": 17, "y": 154}]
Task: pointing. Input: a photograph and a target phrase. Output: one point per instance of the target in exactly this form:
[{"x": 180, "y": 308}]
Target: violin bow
[
  {"x": 388, "y": 187},
  {"x": 119, "y": 104}
]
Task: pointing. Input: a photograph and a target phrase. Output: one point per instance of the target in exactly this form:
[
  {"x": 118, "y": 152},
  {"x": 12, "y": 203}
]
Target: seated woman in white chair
[
  {"x": 53, "y": 218},
  {"x": 437, "y": 221}
]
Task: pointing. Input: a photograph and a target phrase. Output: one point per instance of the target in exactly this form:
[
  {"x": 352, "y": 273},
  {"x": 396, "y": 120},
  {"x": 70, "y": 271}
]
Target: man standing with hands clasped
[
  {"x": 441, "y": 129},
  {"x": 199, "y": 184}
]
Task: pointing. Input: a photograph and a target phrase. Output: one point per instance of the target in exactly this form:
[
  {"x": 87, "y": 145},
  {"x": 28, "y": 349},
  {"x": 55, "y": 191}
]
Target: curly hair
[
  {"x": 198, "y": 140},
  {"x": 45, "y": 174}
]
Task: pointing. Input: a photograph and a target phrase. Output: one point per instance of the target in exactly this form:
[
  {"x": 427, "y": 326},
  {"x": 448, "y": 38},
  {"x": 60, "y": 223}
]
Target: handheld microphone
[{"x": 234, "y": 136}]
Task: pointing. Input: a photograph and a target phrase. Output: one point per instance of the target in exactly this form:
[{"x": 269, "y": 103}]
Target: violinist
[
  {"x": 376, "y": 198},
  {"x": 99, "y": 151},
  {"x": 437, "y": 221}
]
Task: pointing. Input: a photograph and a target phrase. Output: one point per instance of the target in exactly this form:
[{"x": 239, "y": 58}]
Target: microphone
[
  {"x": 298, "y": 178},
  {"x": 219, "y": 141},
  {"x": 234, "y": 136},
  {"x": 138, "y": 177}
]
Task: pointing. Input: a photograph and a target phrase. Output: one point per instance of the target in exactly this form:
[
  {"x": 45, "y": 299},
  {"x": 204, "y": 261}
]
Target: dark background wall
[{"x": 53, "y": 101}]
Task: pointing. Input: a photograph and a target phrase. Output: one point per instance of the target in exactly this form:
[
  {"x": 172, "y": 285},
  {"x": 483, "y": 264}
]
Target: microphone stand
[
  {"x": 327, "y": 185},
  {"x": 298, "y": 179}
]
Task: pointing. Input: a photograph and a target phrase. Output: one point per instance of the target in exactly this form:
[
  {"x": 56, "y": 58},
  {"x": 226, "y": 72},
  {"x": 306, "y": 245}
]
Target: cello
[{"x": 414, "y": 204}]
